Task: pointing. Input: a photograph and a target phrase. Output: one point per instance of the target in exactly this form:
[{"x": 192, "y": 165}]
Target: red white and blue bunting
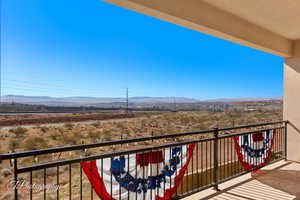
[
  {"x": 150, "y": 176},
  {"x": 254, "y": 150}
]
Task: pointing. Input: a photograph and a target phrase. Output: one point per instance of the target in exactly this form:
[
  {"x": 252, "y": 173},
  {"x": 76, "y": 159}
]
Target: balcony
[
  {"x": 278, "y": 181},
  {"x": 207, "y": 164}
]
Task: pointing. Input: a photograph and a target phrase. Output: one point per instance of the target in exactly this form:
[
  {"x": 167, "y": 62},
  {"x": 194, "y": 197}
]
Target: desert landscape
[{"x": 20, "y": 138}]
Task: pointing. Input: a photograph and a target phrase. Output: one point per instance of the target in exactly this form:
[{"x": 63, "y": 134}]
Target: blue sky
[{"x": 91, "y": 48}]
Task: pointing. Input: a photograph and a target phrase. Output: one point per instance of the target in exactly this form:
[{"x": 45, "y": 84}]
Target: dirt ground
[
  {"x": 17, "y": 120},
  {"x": 20, "y": 139}
]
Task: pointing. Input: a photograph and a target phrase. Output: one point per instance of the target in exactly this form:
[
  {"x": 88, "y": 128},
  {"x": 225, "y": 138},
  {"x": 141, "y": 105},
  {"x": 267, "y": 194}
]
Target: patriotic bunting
[
  {"x": 254, "y": 150},
  {"x": 151, "y": 175},
  {"x": 156, "y": 175}
]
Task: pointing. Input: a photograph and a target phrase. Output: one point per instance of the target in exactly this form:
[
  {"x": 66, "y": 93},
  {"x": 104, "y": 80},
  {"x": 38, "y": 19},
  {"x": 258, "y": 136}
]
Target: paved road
[
  {"x": 63, "y": 123},
  {"x": 34, "y": 113}
]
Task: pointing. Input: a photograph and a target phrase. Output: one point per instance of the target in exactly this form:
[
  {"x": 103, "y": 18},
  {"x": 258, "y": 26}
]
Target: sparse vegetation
[
  {"x": 70, "y": 134},
  {"x": 71, "y": 138},
  {"x": 107, "y": 135},
  {"x": 13, "y": 144},
  {"x": 20, "y": 139},
  {"x": 44, "y": 129},
  {"x": 33, "y": 143},
  {"x": 19, "y": 131},
  {"x": 68, "y": 126}
]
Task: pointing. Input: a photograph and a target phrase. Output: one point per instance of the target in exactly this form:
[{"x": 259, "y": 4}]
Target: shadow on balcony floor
[{"x": 280, "y": 181}]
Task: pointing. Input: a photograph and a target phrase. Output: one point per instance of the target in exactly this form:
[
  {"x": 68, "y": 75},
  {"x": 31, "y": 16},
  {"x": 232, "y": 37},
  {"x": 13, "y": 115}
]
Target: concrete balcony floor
[{"x": 279, "y": 181}]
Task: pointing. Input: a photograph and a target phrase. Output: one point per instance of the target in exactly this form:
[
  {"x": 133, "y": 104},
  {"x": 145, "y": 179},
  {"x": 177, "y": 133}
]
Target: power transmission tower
[
  {"x": 127, "y": 100},
  {"x": 175, "y": 106}
]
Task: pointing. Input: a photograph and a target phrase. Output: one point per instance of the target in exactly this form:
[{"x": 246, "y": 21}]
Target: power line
[
  {"x": 38, "y": 88},
  {"x": 22, "y": 89},
  {"x": 45, "y": 85},
  {"x": 42, "y": 90}
]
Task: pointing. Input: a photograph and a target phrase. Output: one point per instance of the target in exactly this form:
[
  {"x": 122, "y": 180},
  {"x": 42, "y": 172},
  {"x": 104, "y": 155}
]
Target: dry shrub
[
  {"x": 13, "y": 144},
  {"x": 19, "y": 131},
  {"x": 72, "y": 138},
  {"x": 96, "y": 124},
  {"x": 107, "y": 136},
  {"x": 34, "y": 143},
  {"x": 55, "y": 135},
  {"x": 202, "y": 126},
  {"x": 44, "y": 129},
  {"x": 68, "y": 126},
  {"x": 95, "y": 136}
]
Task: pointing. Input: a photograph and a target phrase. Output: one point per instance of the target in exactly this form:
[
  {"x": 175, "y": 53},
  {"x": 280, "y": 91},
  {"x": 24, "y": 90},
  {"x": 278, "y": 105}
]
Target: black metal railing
[{"x": 215, "y": 159}]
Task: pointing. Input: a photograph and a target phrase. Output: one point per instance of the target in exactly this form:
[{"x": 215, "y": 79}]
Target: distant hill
[
  {"x": 100, "y": 101},
  {"x": 92, "y": 101},
  {"x": 243, "y": 99}
]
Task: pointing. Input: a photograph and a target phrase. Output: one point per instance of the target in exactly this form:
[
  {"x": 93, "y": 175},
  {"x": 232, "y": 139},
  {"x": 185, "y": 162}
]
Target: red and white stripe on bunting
[
  {"x": 151, "y": 175},
  {"x": 254, "y": 150}
]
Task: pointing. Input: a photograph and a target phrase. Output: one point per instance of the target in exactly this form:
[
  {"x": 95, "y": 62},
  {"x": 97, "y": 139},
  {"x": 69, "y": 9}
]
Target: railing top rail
[
  {"x": 249, "y": 132},
  {"x": 126, "y": 152},
  {"x": 126, "y": 141},
  {"x": 107, "y": 155}
]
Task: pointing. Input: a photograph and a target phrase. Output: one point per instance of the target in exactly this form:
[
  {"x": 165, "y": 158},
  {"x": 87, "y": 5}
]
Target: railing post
[
  {"x": 15, "y": 185},
  {"x": 216, "y": 159},
  {"x": 285, "y": 141}
]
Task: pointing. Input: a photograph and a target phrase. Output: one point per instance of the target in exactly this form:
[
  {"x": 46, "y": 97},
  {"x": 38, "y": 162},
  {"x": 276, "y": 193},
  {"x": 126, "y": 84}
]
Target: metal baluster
[
  {"x": 143, "y": 182},
  {"x": 281, "y": 142},
  {"x": 102, "y": 188},
  {"x": 158, "y": 185},
  {"x": 57, "y": 182},
  {"x": 150, "y": 158},
  {"x": 136, "y": 183},
  {"x": 45, "y": 175},
  {"x": 128, "y": 158},
  {"x": 249, "y": 158},
  {"x": 170, "y": 157},
  {"x": 174, "y": 183},
  {"x": 30, "y": 182},
  {"x": 276, "y": 142},
  {"x": 231, "y": 156},
  {"x": 252, "y": 147},
  {"x": 211, "y": 162},
  {"x": 192, "y": 171},
  {"x": 181, "y": 158},
  {"x": 111, "y": 193},
  {"x": 92, "y": 190},
  {"x": 242, "y": 169},
  {"x": 202, "y": 164},
  {"x": 280, "y": 147},
  {"x": 224, "y": 158},
  {"x": 216, "y": 158},
  {"x": 120, "y": 179},
  {"x": 165, "y": 176},
  {"x": 227, "y": 164},
  {"x": 206, "y": 164},
  {"x": 256, "y": 157},
  {"x": 16, "y": 178},
  {"x": 197, "y": 163},
  {"x": 70, "y": 182},
  {"x": 80, "y": 180}
]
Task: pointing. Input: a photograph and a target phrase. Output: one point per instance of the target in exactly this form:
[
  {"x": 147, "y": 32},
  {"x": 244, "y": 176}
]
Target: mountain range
[{"x": 100, "y": 101}]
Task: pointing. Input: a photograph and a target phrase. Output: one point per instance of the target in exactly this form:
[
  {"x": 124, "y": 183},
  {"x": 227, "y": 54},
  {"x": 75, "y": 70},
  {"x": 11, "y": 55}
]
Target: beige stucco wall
[
  {"x": 291, "y": 102},
  {"x": 203, "y": 17}
]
